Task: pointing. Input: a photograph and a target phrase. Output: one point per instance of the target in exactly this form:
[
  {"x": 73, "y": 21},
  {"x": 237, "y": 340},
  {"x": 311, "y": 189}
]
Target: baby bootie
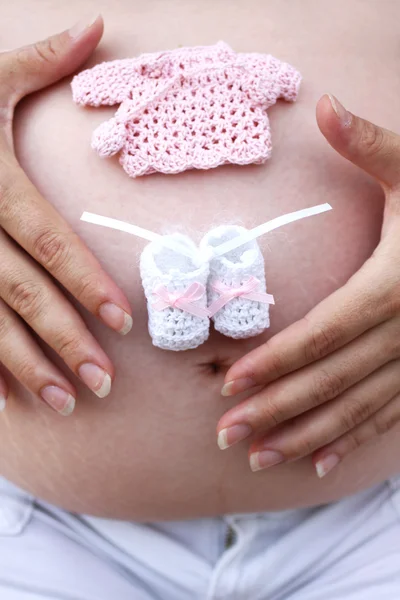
[
  {"x": 236, "y": 287},
  {"x": 174, "y": 275}
]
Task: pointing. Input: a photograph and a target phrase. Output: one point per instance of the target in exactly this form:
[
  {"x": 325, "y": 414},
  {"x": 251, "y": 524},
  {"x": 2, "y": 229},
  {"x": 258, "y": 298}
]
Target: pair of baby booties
[
  {"x": 223, "y": 278},
  {"x": 184, "y": 289}
]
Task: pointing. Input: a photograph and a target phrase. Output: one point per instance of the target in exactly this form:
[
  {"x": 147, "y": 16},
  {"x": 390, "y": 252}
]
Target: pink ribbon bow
[
  {"x": 183, "y": 301},
  {"x": 246, "y": 290}
]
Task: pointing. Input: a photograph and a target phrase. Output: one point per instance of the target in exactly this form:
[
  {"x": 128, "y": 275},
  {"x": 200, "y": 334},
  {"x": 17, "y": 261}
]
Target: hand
[
  {"x": 38, "y": 246},
  {"x": 331, "y": 381}
]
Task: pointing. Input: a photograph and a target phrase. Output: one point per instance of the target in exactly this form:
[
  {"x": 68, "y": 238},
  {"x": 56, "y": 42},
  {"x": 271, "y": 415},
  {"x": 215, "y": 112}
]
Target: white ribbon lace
[{"x": 220, "y": 250}]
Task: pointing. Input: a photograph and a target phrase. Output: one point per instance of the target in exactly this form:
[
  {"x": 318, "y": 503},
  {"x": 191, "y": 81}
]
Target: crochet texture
[
  {"x": 187, "y": 108},
  {"x": 239, "y": 318},
  {"x": 173, "y": 328}
]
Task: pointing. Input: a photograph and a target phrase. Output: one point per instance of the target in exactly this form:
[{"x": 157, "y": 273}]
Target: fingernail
[
  {"x": 265, "y": 459},
  {"x": 232, "y": 435},
  {"x": 115, "y": 317},
  {"x": 96, "y": 379},
  {"x": 236, "y": 386},
  {"x": 326, "y": 464},
  {"x": 81, "y": 26},
  {"x": 2, "y": 403},
  {"x": 58, "y": 399},
  {"x": 343, "y": 116}
]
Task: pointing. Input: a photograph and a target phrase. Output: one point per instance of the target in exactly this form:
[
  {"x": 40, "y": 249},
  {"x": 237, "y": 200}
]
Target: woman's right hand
[{"x": 37, "y": 247}]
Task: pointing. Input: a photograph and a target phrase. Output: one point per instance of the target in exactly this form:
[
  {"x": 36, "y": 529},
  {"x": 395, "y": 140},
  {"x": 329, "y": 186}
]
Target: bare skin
[{"x": 149, "y": 451}]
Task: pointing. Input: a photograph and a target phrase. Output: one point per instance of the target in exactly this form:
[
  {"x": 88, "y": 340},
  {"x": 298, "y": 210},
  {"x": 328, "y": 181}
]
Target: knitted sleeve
[
  {"x": 288, "y": 79},
  {"x": 108, "y": 83},
  {"x": 282, "y": 79}
]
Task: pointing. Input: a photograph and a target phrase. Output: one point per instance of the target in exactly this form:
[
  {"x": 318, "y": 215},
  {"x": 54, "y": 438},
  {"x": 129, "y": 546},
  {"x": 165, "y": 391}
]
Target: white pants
[{"x": 349, "y": 550}]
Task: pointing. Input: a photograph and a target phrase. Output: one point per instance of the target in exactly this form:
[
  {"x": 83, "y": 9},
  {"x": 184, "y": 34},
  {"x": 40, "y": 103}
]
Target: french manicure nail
[
  {"x": 326, "y": 464},
  {"x": 2, "y": 403},
  {"x": 58, "y": 399},
  {"x": 232, "y": 435},
  {"x": 237, "y": 385},
  {"x": 265, "y": 459},
  {"x": 96, "y": 379},
  {"x": 341, "y": 112},
  {"x": 81, "y": 26},
  {"x": 115, "y": 317}
]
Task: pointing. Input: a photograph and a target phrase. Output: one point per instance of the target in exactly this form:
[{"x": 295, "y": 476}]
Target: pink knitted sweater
[{"x": 186, "y": 108}]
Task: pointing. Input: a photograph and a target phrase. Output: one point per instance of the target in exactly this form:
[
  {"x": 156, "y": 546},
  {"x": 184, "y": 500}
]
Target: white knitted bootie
[
  {"x": 236, "y": 287},
  {"x": 175, "y": 283}
]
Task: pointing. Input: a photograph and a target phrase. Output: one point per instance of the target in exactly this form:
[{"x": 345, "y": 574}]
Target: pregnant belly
[{"x": 149, "y": 450}]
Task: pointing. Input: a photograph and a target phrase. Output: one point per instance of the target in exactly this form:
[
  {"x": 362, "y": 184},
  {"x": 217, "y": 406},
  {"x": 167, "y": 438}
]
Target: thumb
[
  {"x": 31, "y": 68},
  {"x": 372, "y": 148}
]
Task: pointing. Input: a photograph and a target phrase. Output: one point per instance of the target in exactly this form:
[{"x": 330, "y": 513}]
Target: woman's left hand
[{"x": 331, "y": 381}]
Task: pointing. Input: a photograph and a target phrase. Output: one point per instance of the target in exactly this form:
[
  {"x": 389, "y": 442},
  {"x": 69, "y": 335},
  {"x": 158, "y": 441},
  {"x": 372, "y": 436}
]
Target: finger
[
  {"x": 305, "y": 434},
  {"x": 332, "y": 324},
  {"x": 34, "y": 67},
  {"x": 317, "y": 384},
  {"x": 43, "y": 233},
  {"x": 24, "y": 359},
  {"x": 372, "y": 148},
  {"x": 383, "y": 421},
  {"x": 26, "y": 288}
]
